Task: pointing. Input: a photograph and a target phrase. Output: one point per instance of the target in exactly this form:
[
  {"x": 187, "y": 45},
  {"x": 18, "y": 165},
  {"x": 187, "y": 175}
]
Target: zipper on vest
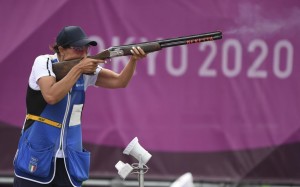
[
  {"x": 62, "y": 137},
  {"x": 64, "y": 124}
]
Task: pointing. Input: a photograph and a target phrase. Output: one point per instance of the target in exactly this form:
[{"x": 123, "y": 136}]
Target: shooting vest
[{"x": 56, "y": 127}]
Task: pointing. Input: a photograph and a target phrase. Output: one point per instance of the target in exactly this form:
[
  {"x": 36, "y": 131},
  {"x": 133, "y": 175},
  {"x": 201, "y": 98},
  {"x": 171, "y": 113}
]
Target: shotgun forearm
[{"x": 62, "y": 68}]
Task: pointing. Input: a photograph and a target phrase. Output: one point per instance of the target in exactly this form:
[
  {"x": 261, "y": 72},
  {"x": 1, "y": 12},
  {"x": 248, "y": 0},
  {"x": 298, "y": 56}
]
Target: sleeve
[
  {"x": 90, "y": 80},
  {"x": 42, "y": 67}
]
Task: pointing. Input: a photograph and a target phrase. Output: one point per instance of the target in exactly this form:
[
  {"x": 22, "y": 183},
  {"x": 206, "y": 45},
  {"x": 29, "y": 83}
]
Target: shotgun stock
[{"x": 62, "y": 68}]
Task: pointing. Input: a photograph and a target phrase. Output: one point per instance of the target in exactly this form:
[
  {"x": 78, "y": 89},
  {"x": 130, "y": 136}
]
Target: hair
[{"x": 54, "y": 47}]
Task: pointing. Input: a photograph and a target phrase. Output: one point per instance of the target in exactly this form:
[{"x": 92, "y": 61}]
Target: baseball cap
[{"x": 73, "y": 36}]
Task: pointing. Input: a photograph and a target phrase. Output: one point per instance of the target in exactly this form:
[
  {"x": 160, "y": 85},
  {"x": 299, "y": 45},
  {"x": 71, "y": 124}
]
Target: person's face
[{"x": 73, "y": 52}]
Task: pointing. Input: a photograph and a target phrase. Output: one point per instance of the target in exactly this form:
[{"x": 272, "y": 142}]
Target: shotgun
[{"x": 62, "y": 68}]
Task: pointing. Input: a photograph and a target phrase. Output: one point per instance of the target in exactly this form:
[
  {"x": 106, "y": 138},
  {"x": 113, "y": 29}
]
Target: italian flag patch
[{"x": 32, "y": 164}]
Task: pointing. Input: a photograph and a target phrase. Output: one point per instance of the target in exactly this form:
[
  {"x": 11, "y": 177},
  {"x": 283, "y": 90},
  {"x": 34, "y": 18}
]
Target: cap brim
[{"x": 83, "y": 42}]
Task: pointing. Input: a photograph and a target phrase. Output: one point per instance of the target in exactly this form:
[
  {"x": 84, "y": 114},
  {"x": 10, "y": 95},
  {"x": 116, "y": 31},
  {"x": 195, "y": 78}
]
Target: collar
[{"x": 54, "y": 58}]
